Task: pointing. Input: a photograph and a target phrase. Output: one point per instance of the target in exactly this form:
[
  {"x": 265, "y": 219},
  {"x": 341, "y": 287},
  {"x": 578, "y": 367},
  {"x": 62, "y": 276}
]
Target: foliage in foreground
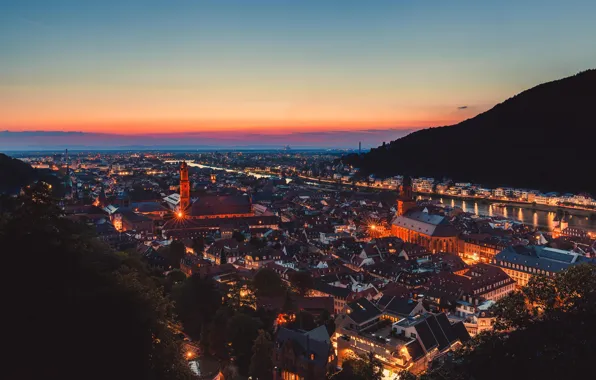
[
  {"x": 77, "y": 309},
  {"x": 545, "y": 331}
]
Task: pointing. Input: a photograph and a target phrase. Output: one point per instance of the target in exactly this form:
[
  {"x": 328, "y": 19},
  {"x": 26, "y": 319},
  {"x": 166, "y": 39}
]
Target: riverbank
[
  {"x": 530, "y": 206},
  {"x": 526, "y": 205}
]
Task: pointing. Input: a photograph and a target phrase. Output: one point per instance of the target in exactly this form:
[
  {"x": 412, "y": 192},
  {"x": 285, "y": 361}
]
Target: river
[
  {"x": 536, "y": 218},
  {"x": 195, "y": 165}
]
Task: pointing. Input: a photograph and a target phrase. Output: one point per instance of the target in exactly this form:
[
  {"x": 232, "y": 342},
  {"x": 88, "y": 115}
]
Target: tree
[
  {"x": 407, "y": 375},
  {"x": 97, "y": 306},
  {"x": 545, "y": 331},
  {"x": 325, "y": 319},
  {"x": 238, "y": 236},
  {"x": 268, "y": 283},
  {"x": 198, "y": 246},
  {"x": 218, "y": 334},
  {"x": 239, "y": 295},
  {"x": 230, "y": 372},
  {"x": 242, "y": 330},
  {"x": 176, "y": 253},
  {"x": 259, "y": 243},
  {"x": 261, "y": 366},
  {"x": 512, "y": 312},
  {"x": 196, "y": 299},
  {"x": 365, "y": 367},
  {"x": 173, "y": 278},
  {"x": 301, "y": 281}
]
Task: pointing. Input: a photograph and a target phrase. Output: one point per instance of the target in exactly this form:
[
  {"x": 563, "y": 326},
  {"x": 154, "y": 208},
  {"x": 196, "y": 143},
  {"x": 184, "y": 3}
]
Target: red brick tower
[{"x": 184, "y": 187}]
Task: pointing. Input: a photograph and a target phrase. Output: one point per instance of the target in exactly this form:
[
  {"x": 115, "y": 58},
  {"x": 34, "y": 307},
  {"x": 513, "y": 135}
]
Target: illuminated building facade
[
  {"x": 433, "y": 232},
  {"x": 410, "y": 344},
  {"x": 184, "y": 188},
  {"x": 523, "y": 262},
  {"x": 482, "y": 250},
  {"x": 211, "y": 212}
]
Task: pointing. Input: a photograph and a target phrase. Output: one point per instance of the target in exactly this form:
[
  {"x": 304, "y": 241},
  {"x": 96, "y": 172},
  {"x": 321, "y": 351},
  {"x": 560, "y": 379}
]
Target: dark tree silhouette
[
  {"x": 242, "y": 331},
  {"x": 268, "y": 283},
  {"x": 301, "y": 281},
  {"x": 366, "y": 367},
  {"x": 196, "y": 300},
  {"x": 545, "y": 331},
  {"x": 176, "y": 253},
  {"x": 261, "y": 365},
  {"x": 88, "y": 303}
]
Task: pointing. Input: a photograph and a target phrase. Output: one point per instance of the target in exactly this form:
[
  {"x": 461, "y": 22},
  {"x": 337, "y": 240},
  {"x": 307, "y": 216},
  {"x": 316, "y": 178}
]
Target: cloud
[
  {"x": 462, "y": 107},
  {"x": 312, "y": 139}
]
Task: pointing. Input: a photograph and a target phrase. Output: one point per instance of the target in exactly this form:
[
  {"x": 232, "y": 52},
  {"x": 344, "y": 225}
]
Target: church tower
[
  {"x": 184, "y": 187},
  {"x": 406, "y": 200}
]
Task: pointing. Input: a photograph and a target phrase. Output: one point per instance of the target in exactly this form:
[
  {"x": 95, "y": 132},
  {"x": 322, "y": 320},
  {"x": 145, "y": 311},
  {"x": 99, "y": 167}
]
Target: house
[
  {"x": 303, "y": 355},
  {"x": 410, "y": 343}
]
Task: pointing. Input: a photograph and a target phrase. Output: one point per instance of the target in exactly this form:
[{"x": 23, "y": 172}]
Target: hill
[
  {"x": 14, "y": 174},
  {"x": 542, "y": 138}
]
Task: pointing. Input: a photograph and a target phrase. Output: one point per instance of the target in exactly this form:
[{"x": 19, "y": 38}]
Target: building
[
  {"x": 259, "y": 258},
  {"x": 523, "y": 262},
  {"x": 338, "y": 294},
  {"x": 433, "y": 232},
  {"x": 128, "y": 220},
  {"x": 214, "y": 213},
  {"x": 411, "y": 343},
  {"x": 481, "y": 319},
  {"x": 406, "y": 199},
  {"x": 184, "y": 188},
  {"x": 464, "y": 290},
  {"x": 479, "y": 247},
  {"x": 303, "y": 355},
  {"x": 190, "y": 265},
  {"x": 173, "y": 201}
]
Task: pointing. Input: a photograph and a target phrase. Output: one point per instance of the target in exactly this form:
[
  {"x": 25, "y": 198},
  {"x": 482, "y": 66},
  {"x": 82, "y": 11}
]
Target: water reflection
[{"x": 537, "y": 218}]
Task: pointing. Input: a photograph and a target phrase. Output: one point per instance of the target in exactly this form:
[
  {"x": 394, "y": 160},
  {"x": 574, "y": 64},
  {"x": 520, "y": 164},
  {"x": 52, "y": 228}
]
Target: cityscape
[{"x": 313, "y": 190}]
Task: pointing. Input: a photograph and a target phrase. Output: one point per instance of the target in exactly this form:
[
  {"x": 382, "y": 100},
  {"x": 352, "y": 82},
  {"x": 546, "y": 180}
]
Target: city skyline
[{"x": 326, "y": 74}]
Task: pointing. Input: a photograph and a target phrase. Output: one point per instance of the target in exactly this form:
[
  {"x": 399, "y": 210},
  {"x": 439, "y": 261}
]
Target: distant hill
[
  {"x": 543, "y": 138},
  {"x": 14, "y": 174}
]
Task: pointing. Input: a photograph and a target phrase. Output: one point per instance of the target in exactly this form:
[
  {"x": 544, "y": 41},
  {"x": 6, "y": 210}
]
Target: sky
[{"x": 303, "y": 72}]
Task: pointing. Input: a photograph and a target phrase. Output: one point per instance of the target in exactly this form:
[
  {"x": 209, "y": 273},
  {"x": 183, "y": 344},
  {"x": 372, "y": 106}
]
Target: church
[
  {"x": 213, "y": 213},
  {"x": 433, "y": 232}
]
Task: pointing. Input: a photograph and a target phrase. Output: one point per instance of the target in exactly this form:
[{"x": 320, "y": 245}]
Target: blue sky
[{"x": 138, "y": 67}]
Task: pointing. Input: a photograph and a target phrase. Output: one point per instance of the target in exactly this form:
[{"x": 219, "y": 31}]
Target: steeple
[
  {"x": 406, "y": 200},
  {"x": 184, "y": 187}
]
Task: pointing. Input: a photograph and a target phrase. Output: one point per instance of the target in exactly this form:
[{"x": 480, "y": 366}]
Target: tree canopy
[
  {"x": 268, "y": 283},
  {"x": 544, "y": 331},
  {"x": 83, "y": 312},
  {"x": 365, "y": 367},
  {"x": 301, "y": 281}
]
